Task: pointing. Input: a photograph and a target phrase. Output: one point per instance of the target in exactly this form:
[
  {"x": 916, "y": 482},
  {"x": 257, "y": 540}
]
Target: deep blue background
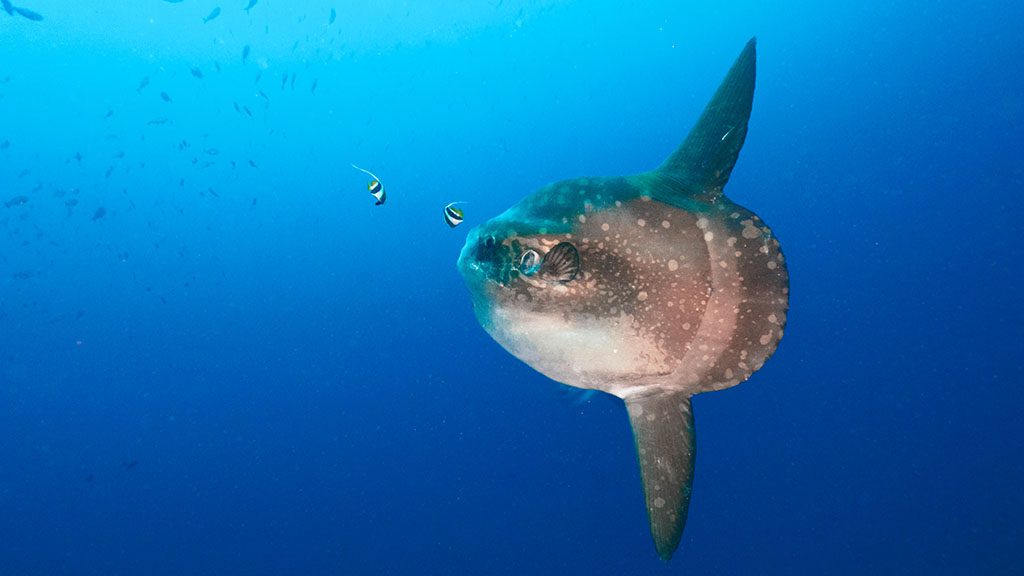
[{"x": 200, "y": 384}]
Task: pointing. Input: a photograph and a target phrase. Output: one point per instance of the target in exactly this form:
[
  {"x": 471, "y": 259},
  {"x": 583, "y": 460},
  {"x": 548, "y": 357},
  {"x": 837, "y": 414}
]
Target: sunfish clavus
[{"x": 652, "y": 287}]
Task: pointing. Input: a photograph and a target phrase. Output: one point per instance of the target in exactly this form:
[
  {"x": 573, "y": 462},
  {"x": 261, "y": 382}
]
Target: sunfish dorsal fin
[
  {"x": 702, "y": 164},
  {"x": 665, "y": 445}
]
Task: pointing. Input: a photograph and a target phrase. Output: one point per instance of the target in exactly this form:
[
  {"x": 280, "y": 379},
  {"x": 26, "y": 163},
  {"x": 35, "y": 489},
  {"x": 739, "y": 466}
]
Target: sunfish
[{"x": 652, "y": 287}]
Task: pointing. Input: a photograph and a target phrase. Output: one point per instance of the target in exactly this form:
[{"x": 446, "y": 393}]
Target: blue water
[{"x": 247, "y": 368}]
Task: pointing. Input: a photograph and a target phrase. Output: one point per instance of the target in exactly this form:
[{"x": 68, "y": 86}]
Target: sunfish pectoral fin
[
  {"x": 702, "y": 164},
  {"x": 665, "y": 445}
]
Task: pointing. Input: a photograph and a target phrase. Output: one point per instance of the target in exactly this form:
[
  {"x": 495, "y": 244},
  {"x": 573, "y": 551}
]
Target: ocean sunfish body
[{"x": 652, "y": 287}]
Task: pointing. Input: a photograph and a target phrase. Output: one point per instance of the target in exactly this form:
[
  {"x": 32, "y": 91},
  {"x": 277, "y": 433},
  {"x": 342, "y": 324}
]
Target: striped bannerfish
[
  {"x": 375, "y": 187},
  {"x": 453, "y": 216}
]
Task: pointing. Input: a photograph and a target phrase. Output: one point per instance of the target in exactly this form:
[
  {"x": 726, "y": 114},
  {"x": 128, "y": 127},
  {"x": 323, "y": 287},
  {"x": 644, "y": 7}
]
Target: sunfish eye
[
  {"x": 529, "y": 263},
  {"x": 489, "y": 242}
]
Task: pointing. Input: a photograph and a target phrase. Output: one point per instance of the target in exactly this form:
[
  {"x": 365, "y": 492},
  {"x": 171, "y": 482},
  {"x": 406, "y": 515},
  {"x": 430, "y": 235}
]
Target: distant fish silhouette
[
  {"x": 28, "y": 14},
  {"x": 333, "y": 16},
  {"x": 245, "y": 53},
  {"x": 250, "y": 5},
  {"x": 8, "y": 7},
  {"x": 165, "y": 97},
  {"x": 16, "y": 201},
  {"x": 99, "y": 213},
  {"x": 197, "y": 72},
  {"x": 142, "y": 84},
  {"x": 213, "y": 14}
]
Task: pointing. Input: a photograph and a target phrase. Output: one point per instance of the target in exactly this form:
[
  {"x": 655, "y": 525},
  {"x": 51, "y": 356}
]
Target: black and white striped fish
[
  {"x": 375, "y": 186},
  {"x": 453, "y": 216}
]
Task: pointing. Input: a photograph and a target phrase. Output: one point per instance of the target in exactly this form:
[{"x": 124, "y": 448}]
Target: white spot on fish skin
[
  {"x": 666, "y": 224},
  {"x": 702, "y": 223},
  {"x": 773, "y": 319},
  {"x": 765, "y": 339},
  {"x": 709, "y": 236},
  {"x": 641, "y": 296},
  {"x": 749, "y": 230},
  {"x": 659, "y": 502},
  {"x": 723, "y": 264},
  {"x": 582, "y": 218},
  {"x": 731, "y": 241},
  {"x": 673, "y": 265},
  {"x": 686, "y": 325},
  {"x": 641, "y": 222},
  {"x": 605, "y": 227},
  {"x": 772, "y": 265}
]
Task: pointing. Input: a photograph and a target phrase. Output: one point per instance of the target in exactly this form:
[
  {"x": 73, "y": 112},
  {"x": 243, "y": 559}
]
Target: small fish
[
  {"x": 250, "y": 6},
  {"x": 216, "y": 66},
  {"x": 142, "y": 84},
  {"x": 333, "y": 16},
  {"x": 247, "y": 111},
  {"x": 16, "y": 201},
  {"x": 293, "y": 80},
  {"x": 213, "y": 14},
  {"x": 213, "y": 192},
  {"x": 99, "y": 213},
  {"x": 245, "y": 53},
  {"x": 8, "y": 7},
  {"x": 110, "y": 112},
  {"x": 312, "y": 90},
  {"x": 237, "y": 109},
  {"x": 284, "y": 80},
  {"x": 263, "y": 95},
  {"x": 453, "y": 216},
  {"x": 375, "y": 187},
  {"x": 197, "y": 72},
  {"x": 259, "y": 75},
  {"x": 253, "y": 164},
  {"x": 165, "y": 97},
  {"x": 28, "y": 14}
]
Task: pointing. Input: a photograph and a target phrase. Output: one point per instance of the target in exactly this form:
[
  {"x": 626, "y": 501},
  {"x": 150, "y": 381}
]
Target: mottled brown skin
[{"x": 679, "y": 291}]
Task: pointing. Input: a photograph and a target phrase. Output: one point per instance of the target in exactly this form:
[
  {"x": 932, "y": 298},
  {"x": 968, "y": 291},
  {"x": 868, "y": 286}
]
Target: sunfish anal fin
[{"x": 665, "y": 444}]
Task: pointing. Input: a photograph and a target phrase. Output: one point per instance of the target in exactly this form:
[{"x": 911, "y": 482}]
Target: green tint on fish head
[{"x": 652, "y": 287}]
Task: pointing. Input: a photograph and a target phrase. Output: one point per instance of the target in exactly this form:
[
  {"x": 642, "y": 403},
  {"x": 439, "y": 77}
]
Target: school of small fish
[{"x": 250, "y": 104}]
